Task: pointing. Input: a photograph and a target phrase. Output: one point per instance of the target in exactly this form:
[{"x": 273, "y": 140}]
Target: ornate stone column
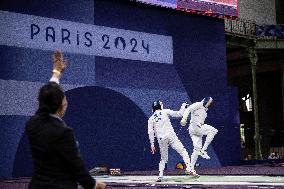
[
  {"x": 257, "y": 137},
  {"x": 282, "y": 84}
]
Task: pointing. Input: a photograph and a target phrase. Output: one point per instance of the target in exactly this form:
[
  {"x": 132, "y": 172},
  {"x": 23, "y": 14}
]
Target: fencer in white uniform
[
  {"x": 159, "y": 126},
  {"x": 197, "y": 128}
]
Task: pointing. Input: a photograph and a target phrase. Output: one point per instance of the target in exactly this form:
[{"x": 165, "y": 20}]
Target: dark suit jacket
[{"x": 56, "y": 158}]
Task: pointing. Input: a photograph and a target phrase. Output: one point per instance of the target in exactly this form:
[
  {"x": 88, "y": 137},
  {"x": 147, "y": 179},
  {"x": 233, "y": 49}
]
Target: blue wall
[{"x": 110, "y": 99}]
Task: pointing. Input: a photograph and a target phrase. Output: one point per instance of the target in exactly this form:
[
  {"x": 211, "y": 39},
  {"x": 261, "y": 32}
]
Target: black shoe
[{"x": 160, "y": 179}]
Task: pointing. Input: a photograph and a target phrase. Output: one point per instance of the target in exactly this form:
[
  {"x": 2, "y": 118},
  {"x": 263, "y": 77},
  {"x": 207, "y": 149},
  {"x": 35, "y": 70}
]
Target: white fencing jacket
[
  {"x": 198, "y": 113},
  {"x": 159, "y": 124}
]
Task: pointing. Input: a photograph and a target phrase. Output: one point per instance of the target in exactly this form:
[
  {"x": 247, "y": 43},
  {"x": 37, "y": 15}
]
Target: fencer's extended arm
[
  {"x": 184, "y": 117},
  {"x": 191, "y": 108},
  {"x": 179, "y": 113},
  {"x": 151, "y": 132}
]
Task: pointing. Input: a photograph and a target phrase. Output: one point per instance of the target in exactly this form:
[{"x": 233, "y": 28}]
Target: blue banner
[{"x": 36, "y": 32}]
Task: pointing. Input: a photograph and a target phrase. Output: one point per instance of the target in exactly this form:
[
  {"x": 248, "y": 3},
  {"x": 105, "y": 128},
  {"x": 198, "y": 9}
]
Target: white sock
[
  {"x": 194, "y": 157},
  {"x": 162, "y": 166},
  {"x": 186, "y": 160}
]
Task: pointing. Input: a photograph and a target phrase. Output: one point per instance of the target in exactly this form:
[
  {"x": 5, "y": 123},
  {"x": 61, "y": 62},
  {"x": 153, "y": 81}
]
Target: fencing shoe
[
  {"x": 193, "y": 174},
  {"x": 160, "y": 179}
]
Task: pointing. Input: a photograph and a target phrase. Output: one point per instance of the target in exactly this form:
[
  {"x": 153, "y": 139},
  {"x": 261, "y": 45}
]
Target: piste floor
[
  {"x": 233, "y": 177},
  {"x": 205, "y": 181}
]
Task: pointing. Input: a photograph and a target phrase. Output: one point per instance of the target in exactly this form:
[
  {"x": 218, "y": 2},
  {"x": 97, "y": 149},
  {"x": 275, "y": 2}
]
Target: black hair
[
  {"x": 50, "y": 98},
  {"x": 157, "y": 105}
]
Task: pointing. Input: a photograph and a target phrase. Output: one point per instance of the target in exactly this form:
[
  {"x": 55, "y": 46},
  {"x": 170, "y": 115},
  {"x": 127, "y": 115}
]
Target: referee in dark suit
[{"x": 56, "y": 159}]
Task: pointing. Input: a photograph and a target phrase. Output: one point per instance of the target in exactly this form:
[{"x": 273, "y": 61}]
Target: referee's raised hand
[{"x": 59, "y": 63}]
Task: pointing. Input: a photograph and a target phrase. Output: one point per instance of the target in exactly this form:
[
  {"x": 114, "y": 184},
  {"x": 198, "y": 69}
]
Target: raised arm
[
  {"x": 191, "y": 108},
  {"x": 59, "y": 65},
  {"x": 66, "y": 146},
  {"x": 179, "y": 113}
]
